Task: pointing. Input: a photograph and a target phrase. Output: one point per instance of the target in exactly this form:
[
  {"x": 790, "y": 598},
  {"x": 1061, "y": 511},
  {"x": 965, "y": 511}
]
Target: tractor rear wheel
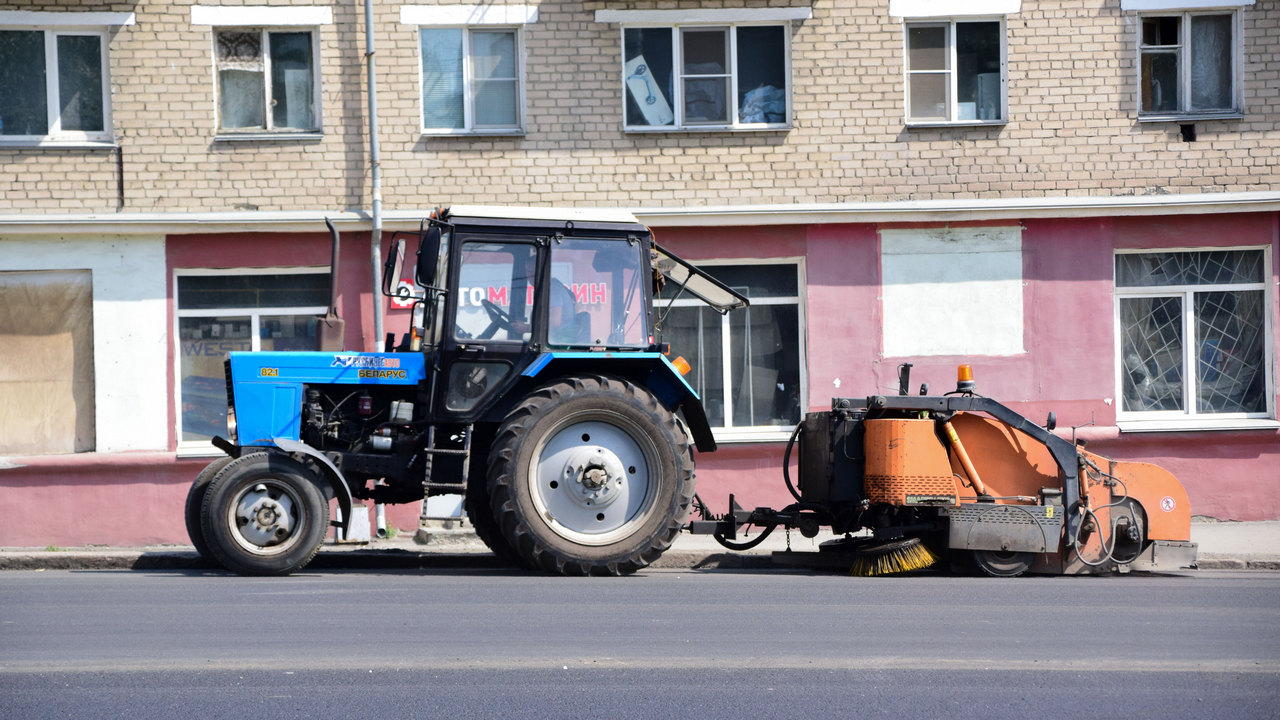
[
  {"x": 263, "y": 514},
  {"x": 195, "y": 498},
  {"x": 1000, "y": 563},
  {"x": 590, "y": 475}
]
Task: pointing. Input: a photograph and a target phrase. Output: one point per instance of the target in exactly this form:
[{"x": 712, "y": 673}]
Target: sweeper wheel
[{"x": 997, "y": 563}]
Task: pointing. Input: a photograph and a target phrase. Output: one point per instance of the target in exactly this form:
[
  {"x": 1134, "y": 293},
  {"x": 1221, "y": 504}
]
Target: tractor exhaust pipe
[{"x": 331, "y": 329}]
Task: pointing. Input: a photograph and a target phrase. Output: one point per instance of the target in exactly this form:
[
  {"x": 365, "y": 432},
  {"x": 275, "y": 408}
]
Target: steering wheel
[{"x": 498, "y": 319}]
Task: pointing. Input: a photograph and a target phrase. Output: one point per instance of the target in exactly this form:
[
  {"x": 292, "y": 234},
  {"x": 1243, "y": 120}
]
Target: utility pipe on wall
[{"x": 375, "y": 180}]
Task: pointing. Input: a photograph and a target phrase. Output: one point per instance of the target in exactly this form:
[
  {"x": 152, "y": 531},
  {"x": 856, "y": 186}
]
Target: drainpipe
[{"x": 375, "y": 164}]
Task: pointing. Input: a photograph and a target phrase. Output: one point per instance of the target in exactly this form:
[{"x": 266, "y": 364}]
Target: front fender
[{"x": 330, "y": 471}]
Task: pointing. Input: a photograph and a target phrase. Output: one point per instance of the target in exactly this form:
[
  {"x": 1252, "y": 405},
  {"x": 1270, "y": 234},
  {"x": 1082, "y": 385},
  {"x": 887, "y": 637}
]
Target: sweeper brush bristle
[{"x": 899, "y": 556}]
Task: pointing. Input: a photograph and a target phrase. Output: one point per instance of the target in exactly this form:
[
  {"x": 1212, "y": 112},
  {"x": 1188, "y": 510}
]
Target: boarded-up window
[{"x": 46, "y": 362}]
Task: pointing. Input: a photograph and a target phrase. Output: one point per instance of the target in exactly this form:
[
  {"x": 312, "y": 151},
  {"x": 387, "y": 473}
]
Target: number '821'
[{"x": 270, "y": 372}]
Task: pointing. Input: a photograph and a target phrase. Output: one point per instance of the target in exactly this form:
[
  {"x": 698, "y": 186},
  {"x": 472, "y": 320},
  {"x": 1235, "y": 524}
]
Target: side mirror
[
  {"x": 391, "y": 269},
  {"x": 1051, "y": 422},
  {"x": 424, "y": 273}
]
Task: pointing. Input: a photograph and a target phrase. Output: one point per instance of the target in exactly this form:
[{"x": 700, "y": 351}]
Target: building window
[
  {"x": 955, "y": 72},
  {"x": 266, "y": 81},
  {"x": 470, "y": 80},
  {"x": 702, "y": 77},
  {"x": 747, "y": 364},
  {"x": 46, "y": 362},
  {"x": 220, "y": 312},
  {"x": 53, "y": 85},
  {"x": 1187, "y": 64},
  {"x": 1193, "y": 335}
]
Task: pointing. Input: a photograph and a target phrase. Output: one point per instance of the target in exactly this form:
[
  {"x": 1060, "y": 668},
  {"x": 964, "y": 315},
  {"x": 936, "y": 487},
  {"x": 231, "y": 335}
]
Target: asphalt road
[{"x": 661, "y": 644}]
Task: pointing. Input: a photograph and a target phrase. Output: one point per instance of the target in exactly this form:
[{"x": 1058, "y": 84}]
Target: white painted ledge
[
  {"x": 261, "y": 15},
  {"x": 453, "y": 15}
]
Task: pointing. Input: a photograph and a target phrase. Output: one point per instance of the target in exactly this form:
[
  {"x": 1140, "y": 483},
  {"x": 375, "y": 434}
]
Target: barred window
[{"x": 1193, "y": 334}]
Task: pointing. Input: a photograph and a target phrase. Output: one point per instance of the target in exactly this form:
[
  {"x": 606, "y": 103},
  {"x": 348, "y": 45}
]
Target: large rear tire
[
  {"x": 195, "y": 499},
  {"x": 590, "y": 475},
  {"x": 264, "y": 514},
  {"x": 480, "y": 514}
]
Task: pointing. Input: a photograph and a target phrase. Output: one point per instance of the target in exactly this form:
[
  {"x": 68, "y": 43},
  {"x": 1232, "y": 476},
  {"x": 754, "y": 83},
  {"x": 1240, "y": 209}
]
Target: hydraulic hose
[{"x": 786, "y": 464}]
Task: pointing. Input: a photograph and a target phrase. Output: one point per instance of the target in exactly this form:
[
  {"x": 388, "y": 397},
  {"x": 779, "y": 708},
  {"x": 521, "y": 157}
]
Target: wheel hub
[
  {"x": 595, "y": 476},
  {"x": 262, "y": 519}
]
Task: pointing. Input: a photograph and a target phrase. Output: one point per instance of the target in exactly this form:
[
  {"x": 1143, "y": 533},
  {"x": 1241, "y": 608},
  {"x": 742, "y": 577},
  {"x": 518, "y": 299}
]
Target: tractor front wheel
[
  {"x": 263, "y": 514},
  {"x": 590, "y": 475},
  {"x": 195, "y": 499}
]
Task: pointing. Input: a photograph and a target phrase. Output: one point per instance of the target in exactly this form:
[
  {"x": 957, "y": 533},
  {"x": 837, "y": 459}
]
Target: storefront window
[{"x": 222, "y": 313}]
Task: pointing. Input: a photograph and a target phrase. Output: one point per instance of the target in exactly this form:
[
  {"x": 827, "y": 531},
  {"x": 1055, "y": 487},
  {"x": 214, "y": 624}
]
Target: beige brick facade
[{"x": 1072, "y": 129}]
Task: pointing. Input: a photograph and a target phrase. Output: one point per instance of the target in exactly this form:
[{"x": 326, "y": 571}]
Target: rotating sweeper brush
[{"x": 913, "y": 480}]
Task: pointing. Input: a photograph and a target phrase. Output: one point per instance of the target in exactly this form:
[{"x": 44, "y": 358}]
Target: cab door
[{"x": 489, "y": 328}]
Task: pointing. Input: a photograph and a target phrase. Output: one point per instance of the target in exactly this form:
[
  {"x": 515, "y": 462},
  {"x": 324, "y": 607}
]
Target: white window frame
[
  {"x": 677, "y": 100},
  {"x": 953, "y": 104},
  {"x": 1183, "y": 52},
  {"x": 469, "y": 126},
  {"x": 56, "y": 136},
  {"x": 199, "y": 447},
  {"x": 1189, "y": 419},
  {"x": 758, "y": 433},
  {"x": 224, "y": 134}
]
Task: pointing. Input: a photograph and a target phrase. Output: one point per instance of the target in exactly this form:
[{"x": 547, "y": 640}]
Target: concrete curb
[{"x": 456, "y": 558}]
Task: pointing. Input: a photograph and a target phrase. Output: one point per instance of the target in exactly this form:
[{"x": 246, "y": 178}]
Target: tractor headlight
[{"x": 231, "y": 423}]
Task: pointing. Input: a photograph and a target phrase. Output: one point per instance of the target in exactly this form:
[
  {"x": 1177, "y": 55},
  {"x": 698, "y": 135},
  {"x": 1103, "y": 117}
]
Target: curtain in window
[
  {"x": 23, "y": 93},
  {"x": 494, "y": 61},
  {"x": 241, "y": 81},
  {"x": 1211, "y": 60},
  {"x": 442, "y": 79}
]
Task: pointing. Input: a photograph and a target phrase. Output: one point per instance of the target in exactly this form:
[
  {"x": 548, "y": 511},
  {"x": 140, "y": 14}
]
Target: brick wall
[{"x": 1072, "y": 126}]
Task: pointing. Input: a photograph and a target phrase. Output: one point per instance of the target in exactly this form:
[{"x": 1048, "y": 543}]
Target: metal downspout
[{"x": 375, "y": 165}]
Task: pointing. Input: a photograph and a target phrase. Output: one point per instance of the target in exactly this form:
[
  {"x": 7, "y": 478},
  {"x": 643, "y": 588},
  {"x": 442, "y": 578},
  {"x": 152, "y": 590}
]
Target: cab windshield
[{"x": 596, "y": 294}]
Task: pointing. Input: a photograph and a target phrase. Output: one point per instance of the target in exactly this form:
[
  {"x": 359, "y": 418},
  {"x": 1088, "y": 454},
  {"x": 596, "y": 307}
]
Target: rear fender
[{"x": 649, "y": 369}]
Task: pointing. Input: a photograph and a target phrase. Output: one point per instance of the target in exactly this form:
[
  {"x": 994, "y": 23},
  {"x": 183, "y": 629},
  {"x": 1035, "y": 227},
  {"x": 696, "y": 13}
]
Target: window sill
[
  {"x": 753, "y": 435},
  {"x": 707, "y": 129},
  {"x": 512, "y": 132},
  {"x": 195, "y": 450},
  {"x": 1197, "y": 425},
  {"x": 269, "y": 137},
  {"x": 1190, "y": 117},
  {"x": 42, "y": 144},
  {"x": 925, "y": 124}
]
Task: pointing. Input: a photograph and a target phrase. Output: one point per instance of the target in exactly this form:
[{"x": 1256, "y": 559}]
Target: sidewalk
[{"x": 1223, "y": 545}]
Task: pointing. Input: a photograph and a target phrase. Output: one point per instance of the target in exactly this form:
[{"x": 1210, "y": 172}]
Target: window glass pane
[
  {"x": 978, "y": 71},
  {"x": 496, "y": 103},
  {"x": 203, "y": 292},
  {"x": 706, "y": 52},
  {"x": 493, "y": 54},
  {"x": 442, "y": 79},
  {"x": 758, "y": 281},
  {"x": 648, "y": 76},
  {"x": 1160, "y": 82},
  {"x": 292, "y": 82},
  {"x": 204, "y": 344},
  {"x": 23, "y": 86},
  {"x": 1230, "y": 352},
  {"x": 1209, "y": 267},
  {"x": 597, "y": 294},
  {"x": 926, "y": 48},
  {"x": 496, "y": 86},
  {"x": 287, "y": 332},
  {"x": 695, "y": 334},
  {"x": 1211, "y": 60},
  {"x": 928, "y": 96},
  {"x": 241, "y": 84},
  {"x": 765, "y": 366},
  {"x": 762, "y": 70},
  {"x": 495, "y": 291},
  {"x": 1151, "y": 351},
  {"x": 1158, "y": 31},
  {"x": 80, "y": 82}
]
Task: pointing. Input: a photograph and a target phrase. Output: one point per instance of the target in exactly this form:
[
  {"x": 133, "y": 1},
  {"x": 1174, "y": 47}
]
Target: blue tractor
[{"x": 532, "y": 382}]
